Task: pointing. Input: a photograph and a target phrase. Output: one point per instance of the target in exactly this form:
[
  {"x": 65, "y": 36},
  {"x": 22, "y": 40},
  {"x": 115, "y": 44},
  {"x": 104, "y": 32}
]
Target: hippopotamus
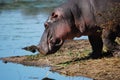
[{"x": 76, "y": 18}]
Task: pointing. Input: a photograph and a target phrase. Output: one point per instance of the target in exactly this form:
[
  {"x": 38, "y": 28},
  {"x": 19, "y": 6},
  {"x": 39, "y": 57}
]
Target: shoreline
[{"x": 72, "y": 60}]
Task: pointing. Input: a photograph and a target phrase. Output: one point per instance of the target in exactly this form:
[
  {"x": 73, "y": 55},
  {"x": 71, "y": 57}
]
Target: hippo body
[{"x": 76, "y": 18}]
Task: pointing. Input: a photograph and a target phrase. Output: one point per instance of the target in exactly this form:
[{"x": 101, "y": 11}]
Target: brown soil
[{"x": 72, "y": 59}]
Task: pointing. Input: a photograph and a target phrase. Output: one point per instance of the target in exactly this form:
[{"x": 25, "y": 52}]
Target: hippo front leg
[{"x": 97, "y": 45}]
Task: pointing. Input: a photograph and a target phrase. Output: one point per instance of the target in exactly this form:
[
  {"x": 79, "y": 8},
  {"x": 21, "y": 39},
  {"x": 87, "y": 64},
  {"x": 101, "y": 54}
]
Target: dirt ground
[{"x": 72, "y": 59}]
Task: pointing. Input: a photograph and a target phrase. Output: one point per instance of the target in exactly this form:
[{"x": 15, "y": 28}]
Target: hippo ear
[{"x": 54, "y": 15}]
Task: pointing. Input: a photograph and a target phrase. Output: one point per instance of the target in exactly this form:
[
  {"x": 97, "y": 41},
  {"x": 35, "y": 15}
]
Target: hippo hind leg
[{"x": 109, "y": 38}]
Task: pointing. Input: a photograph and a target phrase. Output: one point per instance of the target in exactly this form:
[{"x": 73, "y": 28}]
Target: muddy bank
[{"x": 72, "y": 59}]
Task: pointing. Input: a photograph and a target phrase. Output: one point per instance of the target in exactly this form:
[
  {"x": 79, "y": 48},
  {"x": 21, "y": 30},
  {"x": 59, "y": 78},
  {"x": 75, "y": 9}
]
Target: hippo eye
[{"x": 46, "y": 25}]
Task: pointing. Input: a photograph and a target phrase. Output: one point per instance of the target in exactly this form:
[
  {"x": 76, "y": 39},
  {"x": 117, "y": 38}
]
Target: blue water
[
  {"x": 23, "y": 26},
  {"x": 18, "y": 30},
  {"x": 12, "y": 71}
]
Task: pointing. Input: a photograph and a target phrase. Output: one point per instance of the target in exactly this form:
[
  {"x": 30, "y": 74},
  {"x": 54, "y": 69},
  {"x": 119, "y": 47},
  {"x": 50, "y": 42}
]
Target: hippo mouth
[{"x": 53, "y": 47}]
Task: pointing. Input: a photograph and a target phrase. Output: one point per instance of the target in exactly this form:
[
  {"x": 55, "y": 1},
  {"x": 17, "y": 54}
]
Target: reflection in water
[{"x": 46, "y": 78}]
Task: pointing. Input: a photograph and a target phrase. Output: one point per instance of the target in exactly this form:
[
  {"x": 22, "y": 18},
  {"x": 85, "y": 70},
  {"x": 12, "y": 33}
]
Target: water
[
  {"x": 21, "y": 24},
  {"x": 12, "y": 71}
]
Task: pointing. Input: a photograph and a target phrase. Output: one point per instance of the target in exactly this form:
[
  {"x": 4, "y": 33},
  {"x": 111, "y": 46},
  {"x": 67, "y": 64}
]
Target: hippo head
[{"x": 58, "y": 27}]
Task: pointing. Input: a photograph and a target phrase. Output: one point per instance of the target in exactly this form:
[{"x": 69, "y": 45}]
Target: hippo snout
[
  {"x": 42, "y": 50},
  {"x": 48, "y": 49},
  {"x": 38, "y": 48}
]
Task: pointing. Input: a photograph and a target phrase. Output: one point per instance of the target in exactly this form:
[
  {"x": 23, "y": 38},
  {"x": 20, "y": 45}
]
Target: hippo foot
[
  {"x": 32, "y": 48},
  {"x": 116, "y": 53},
  {"x": 95, "y": 55}
]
